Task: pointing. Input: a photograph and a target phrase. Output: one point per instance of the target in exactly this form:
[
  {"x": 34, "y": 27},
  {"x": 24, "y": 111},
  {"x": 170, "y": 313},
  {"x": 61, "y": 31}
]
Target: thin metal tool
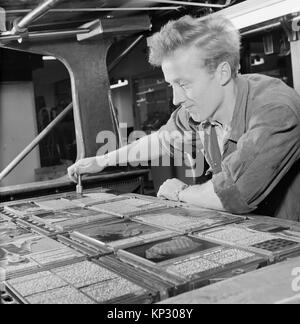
[{"x": 79, "y": 188}]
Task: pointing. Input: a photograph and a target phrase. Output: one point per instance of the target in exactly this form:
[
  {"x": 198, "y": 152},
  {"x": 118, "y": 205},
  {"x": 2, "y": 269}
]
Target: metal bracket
[
  {"x": 194, "y": 4},
  {"x": 17, "y": 28},
  {"x": 291, "y": 28},
  {"x": 23, "y": 33},
  {"x": 296, "y": 26},
  {"x": 115, "y": 27},
  {"x": 2, "y": 20}
]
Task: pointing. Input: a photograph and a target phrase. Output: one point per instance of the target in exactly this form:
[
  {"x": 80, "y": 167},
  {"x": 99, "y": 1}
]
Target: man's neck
[{"x": 224, "y": 114}]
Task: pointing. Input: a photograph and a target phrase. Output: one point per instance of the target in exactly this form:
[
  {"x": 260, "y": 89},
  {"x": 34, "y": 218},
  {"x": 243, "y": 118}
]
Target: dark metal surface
[
  {"x": 123, "y": 181},
  {"x": 48, "y": 32},
  {"x": 35, "y": 14},
  {"x": 86, "y": 64},
  {"x": 76, "y": 12}
]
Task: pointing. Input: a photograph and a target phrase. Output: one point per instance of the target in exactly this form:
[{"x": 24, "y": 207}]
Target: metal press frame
[{"x": 19, "y": 32}]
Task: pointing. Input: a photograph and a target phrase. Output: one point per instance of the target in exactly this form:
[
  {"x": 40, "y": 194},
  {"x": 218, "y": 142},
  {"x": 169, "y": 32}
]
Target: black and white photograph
[
  {"x": 118, "y": 233},
  {"x": 21, "y": 209},
  {"x": 169, "y": 249},
  {"x": 32, "y": 253},
  {"x": 52, "y": 217},
  {"x": 10, "y": 232},
  {"x": 150, "y": 151}
]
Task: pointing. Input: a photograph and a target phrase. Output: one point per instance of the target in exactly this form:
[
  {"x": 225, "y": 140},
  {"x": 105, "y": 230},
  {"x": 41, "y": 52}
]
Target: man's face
[{"x": 194, "y": 88}]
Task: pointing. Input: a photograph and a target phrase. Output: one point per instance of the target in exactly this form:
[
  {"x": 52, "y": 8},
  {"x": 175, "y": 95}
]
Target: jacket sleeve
[{"x": 264, "y": 154}]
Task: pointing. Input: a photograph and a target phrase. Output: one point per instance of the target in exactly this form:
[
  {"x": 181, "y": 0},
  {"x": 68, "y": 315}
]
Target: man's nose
[{"x": 178, "y": 96}]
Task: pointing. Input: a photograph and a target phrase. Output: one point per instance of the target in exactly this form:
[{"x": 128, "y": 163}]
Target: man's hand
[
  {"x": 86, "y": 166},
  {"x": 171, "y": 188}
]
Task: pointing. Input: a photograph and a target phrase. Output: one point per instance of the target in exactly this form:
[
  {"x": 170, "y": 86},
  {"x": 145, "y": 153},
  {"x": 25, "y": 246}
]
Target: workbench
[
  {"x": 124, "y": 237},
  {"x": 270, "y": 285}
]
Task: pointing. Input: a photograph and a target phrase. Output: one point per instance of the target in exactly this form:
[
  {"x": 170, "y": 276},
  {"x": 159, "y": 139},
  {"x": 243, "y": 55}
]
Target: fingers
[
  {"x": 170, "y": 189},
  {"x": 80, "y": 167},
  {"x": 161, "y": 193},
  {"x": 73, "y": 175},
  {"x": 84, "y": 166}
]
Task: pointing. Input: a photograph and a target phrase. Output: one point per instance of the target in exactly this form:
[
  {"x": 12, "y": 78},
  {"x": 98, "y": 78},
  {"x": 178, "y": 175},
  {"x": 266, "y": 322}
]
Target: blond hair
[{"x": 216, "y": 36}]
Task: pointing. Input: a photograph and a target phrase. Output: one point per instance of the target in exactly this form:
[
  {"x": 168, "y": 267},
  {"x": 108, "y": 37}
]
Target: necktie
[{"x": 211, "y": 147}]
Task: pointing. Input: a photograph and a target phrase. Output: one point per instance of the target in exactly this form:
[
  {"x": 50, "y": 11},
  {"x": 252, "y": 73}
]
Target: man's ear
[{"x": 224, "y": 73}]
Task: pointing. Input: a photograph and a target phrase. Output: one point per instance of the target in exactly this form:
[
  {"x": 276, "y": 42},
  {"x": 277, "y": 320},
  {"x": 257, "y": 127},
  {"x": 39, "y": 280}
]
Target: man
[{"x": 248, "y": 125}]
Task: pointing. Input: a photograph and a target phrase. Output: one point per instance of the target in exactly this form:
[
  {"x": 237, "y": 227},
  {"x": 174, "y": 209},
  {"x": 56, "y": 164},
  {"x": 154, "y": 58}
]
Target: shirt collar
[
  {"x": 204, "y": 124},
  {"x": 238, "y": 123}
]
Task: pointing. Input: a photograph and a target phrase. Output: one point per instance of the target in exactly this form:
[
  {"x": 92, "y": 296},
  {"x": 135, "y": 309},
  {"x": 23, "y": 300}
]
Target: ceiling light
[
  {"x": 120, "y": 84},
  {"x": 253, "y": 12},
  {"x": 49, "y": 58}
]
